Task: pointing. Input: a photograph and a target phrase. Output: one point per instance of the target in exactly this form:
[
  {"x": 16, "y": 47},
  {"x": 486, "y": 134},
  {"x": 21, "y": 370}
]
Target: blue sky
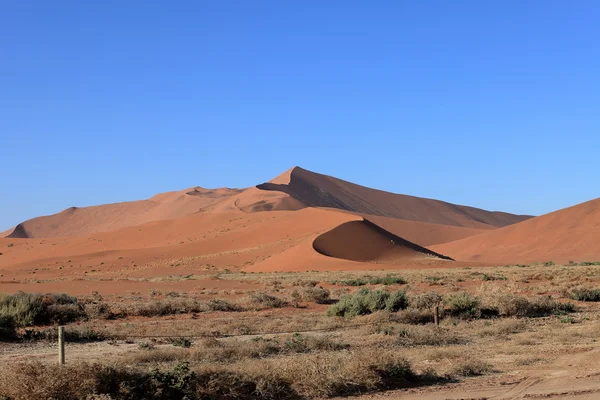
[{"x": 493, "y": 104}]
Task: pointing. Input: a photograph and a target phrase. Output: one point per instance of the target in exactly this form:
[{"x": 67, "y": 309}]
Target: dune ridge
[{"x": 317, "y": 190}]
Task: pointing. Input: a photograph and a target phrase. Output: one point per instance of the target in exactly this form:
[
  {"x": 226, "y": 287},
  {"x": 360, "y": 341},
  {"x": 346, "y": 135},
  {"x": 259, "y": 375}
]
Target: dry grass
[{"x": 344, "y": 356}]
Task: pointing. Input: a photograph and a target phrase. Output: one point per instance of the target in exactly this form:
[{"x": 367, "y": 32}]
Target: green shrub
[
  {"x": 388, "y": 280},
  {"x": 351, "y": 282},
  {"x": 366, "y": 301},
  {"x": 463, "y": 305},
  {"x": 26, "y": 309}
]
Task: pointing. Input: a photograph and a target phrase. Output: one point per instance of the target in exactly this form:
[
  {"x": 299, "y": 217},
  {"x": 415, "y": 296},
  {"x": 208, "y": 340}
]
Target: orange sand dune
[
  {"x": 365, "y": 241},
  {"x": 196, "y": 244},
  {"x": 82, "y": 221},
  {"x": 293, "y": 190},
  {"x": 316, "y": 190},
  {"x": 422, "y": 233},
  {"x": 569, "y": 234}
]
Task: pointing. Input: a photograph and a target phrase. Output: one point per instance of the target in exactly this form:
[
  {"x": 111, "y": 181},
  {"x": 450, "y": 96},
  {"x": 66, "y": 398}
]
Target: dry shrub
[
  {"x": 445, "y": 354},
  {"x": 211, "y": 350},
  {"x": 261, "y": 301},
  {"x": 504, "y": 327},
  {"x": 222, "y": 305},
  {"x": 583, "y": 293},
  {"x": 336, "y": 374},
  {"x": 470, "y": 367},
  {"x": 415, "y": 316},
  {"x": 317, "y": 295},
  {"x": 164, "y": 307},
  {"x": 427, "y": 335}
]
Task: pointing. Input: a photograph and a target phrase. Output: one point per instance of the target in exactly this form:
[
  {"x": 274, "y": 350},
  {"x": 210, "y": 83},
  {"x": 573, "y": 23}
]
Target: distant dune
[
  {"x": 76, "y": 221},
  {"x": 569, "y": 234}
]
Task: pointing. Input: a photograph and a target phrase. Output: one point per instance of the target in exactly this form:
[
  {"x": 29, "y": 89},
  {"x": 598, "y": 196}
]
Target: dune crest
[{"x": 317, "y": 190}]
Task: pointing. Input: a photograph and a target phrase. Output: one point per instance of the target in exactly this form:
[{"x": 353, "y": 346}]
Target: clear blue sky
[{"x": 494, "y": 104}]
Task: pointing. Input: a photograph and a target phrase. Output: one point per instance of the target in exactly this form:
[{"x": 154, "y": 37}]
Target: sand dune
[
  {"x": 569, "y": 234},
  {"x": 422, "y": 233},
  {"x": 367, "y": 242},
  {"x": 316, "y": 190},
  {"x": 76, "y": 221},
  {"x": 291, "y": 191}
]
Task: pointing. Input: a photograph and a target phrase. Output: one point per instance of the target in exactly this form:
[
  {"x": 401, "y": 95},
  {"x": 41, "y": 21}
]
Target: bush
[
  {"x": 262, "y": 300},
  {"x": 222, "y": 305},
  {"x": 427, "y": 336},
  {"x": 181, "y": 342},
  {"x": 584, "y": 294},
  {"x": 26, "y": 309},
  {"x": 517, "y": 306},
  {"x": 415, "y": 316},
  {"x": 317, "y": 295},
  {"x": 463, "y": 305},
  {"x": 365, "y": 301},
  {"x": 7, "y": 327},
  {"x": 387, "y": 280},
  {"x": 471, "y": 367}
]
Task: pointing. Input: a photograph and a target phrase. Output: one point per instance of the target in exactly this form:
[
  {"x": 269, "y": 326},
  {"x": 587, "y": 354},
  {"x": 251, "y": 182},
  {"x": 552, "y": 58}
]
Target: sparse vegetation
[{"x": 385, "y": 280}]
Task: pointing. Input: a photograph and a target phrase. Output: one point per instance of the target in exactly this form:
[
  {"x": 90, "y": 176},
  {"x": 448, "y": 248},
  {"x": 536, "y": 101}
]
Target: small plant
[
  {"x": 493, "y": 277},
  {"x": 181, "y": 342},
  {"x": 146, "y": 346}
]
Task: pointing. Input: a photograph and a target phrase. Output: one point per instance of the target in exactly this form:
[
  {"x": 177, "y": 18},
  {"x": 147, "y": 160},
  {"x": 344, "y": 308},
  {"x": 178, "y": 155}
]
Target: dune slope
[
  {"x": 367, "y": 242},
  {"x": 316, "y": 190},
  {"x": 569, "y": 234},
  {"x": 76, "y": 221}
]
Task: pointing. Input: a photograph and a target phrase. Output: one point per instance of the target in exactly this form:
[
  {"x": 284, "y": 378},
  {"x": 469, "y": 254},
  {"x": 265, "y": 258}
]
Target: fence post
[
  {"x": 61, "y": 345},
  {"x": 436, "y": 315}
]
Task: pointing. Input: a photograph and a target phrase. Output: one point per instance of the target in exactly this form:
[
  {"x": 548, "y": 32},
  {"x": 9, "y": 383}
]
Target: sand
[
  {"x": 299, "y": 221},
  {"x": 570, "y": 234}
]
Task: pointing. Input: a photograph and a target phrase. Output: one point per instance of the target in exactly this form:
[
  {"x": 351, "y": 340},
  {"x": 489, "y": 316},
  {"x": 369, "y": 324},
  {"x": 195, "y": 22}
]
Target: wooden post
[
  {"x": 61, "y": 345},
  {"x": 436, "y": 315}
]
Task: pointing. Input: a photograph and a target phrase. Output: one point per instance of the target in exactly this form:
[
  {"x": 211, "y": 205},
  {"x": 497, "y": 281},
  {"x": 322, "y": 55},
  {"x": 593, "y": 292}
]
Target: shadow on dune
[{"x": 364, "y": 241}]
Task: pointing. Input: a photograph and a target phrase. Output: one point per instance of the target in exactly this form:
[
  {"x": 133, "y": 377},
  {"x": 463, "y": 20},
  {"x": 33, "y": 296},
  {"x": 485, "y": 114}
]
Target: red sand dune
[
  {"x": 422, "y": 233},
  {"x": 76, "y": 221},
  {"x": 293, "y": 190},
  {"x": 367, "y": 242},
  {"x": 316, "y": 190},
  {"x": 569, "y": 234},
  {"x": 195, "y": 244}
]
